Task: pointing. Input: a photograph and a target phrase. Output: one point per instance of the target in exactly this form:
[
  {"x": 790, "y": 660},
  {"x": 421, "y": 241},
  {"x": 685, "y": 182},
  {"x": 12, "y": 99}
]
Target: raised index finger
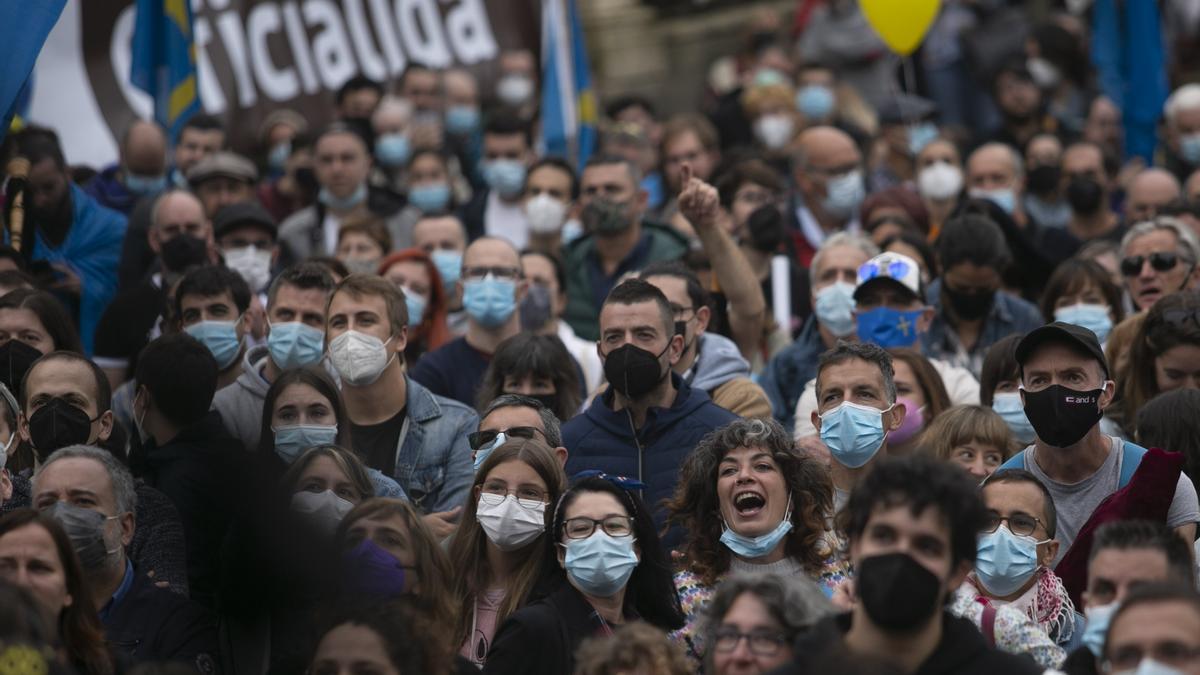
[{"x": 685, "y": 176}]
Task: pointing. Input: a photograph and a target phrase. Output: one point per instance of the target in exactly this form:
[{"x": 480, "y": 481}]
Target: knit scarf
[{"x": 1047, "y": 604}]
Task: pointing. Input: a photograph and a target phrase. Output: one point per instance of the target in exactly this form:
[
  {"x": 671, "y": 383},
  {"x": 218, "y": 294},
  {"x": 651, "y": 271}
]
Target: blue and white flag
[
  {"x": 568, "y": 102},
  {"x": 23, "y": 30}
]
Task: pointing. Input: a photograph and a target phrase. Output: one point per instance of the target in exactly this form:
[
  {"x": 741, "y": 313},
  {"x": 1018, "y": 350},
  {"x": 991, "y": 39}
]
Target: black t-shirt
[{"x": 376, "y": 443}]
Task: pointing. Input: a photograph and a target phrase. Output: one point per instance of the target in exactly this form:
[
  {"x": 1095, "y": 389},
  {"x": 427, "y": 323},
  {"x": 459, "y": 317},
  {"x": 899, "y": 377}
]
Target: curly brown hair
[{"x": 696, "y": 505}]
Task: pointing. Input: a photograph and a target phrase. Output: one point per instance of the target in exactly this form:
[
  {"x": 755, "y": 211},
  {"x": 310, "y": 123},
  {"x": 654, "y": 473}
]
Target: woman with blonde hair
[
  {"x": 974, "y": 437},
  {"x": 500, "y": 548}
]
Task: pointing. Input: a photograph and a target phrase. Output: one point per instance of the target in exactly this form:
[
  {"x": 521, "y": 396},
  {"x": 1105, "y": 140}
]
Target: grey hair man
[
  {"x": 92, "y": 495},
  {"x": 1158, "y": 257},
  {"x": 769, "y": 610},
  {"x": 513, "y": 415}
]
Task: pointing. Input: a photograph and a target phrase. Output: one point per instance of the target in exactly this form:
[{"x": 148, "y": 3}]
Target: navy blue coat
[{"x": 603, "y": 439}]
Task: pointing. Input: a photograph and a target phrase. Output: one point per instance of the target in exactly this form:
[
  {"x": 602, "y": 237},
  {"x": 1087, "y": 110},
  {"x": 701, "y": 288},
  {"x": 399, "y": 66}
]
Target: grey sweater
[{"x": 241, "y": 403}]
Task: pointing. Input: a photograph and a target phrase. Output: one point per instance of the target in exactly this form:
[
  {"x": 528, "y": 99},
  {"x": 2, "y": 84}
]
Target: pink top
[{"x": 487, "y": 606}]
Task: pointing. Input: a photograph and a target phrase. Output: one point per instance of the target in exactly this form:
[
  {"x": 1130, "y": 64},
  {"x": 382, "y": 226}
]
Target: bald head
[
  {"x": 1149, "y": 191},
  {"x": 177, "y": 212},
  {"x": 1191, "y": 189},
  {"x": 144, "y": 149},
  {"x": 993, "y": 166},
  {"x": 821, "y": 146},
  {"x": 460, "y": 87},
  {"x": 491, "y": 252}
]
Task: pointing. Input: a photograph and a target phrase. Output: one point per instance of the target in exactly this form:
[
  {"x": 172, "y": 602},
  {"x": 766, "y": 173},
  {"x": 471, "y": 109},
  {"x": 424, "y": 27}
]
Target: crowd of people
[{"x": 823, "y": 377}]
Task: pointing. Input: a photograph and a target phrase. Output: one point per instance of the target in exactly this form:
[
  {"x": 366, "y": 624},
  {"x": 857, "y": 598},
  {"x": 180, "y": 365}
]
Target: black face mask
[
  {"x": 1061, "y": 416},
  {"x": 15, "y": 359},
  {"x": 58, "y": 424},
  {"x": 183, "y": 251},
  {"x": 548, "y": 401},
  {"x": 765, "y": 228},
  {"x": 1084, "y": 195},
  {"x": 969, "y": 306},
  {"x": 897, "y": 592},
  {"x": 1043, "y": 179},
  {"x": 633, "y": 371}
]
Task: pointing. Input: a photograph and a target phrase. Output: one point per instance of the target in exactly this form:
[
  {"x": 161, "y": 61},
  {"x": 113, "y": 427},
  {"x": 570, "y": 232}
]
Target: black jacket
[
  {"x": 152, "y": 624},
  {"x": 541, "y": 638},
  {"x": 199, "y": 470},
  {"x": 962, "y": 650},
  {"x": 1080, "y": 662}
]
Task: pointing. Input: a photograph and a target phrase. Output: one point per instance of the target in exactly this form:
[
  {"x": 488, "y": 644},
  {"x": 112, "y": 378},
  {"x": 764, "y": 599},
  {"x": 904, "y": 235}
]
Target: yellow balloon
[{"x": 901, "y": 23}]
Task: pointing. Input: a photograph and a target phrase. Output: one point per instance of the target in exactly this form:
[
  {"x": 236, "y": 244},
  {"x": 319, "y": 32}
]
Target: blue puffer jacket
[{"x": 603, "y": 439}]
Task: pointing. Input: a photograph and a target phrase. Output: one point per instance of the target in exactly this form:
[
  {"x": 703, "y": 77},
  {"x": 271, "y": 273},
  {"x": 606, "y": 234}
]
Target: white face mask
[
  {"x": 545, "y": 214},
  {"x": 940, "y": 181},
  {"x": 325, "y": 509},
  {"x": 359, "y": 358},
  {"x": 774, "y": 130},
  {"x": 4, "y": 450},
  {"x": 509, "y": 523},
  {"x": 252, "y": 264}
]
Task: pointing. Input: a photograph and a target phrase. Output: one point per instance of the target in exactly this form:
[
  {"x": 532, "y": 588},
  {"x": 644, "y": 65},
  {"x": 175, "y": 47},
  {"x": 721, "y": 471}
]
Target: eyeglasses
[
  {"x": 896, "y": 269},
  {"x": 479, "y": 439},
  {"x": 1019, "y": 524},
  {"x": 478, "y": 273},
  {"x": 1161, "y": 262},
  {"x": 494, "y": 493},
  {"x": 679, "y": 310},
  {"x": 762, "y": 642},
  {"x": 613, "y": 526},
  {"x": 1173, "y": 654}
]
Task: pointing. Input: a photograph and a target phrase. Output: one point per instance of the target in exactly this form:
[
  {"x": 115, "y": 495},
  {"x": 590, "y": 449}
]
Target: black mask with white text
[{"x": 1061, "y": 416}]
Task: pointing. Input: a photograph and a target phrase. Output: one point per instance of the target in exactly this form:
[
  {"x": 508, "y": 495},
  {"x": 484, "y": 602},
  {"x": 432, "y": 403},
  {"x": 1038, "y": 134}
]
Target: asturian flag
[
  {"x": 164, "y": 61},
  {"x": 568, "y": 102}
]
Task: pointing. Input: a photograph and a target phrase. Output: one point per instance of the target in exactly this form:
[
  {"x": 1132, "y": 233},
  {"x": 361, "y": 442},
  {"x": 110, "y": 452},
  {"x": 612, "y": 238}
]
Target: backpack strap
[
  {"x": 987, "y": 625},
  {"x": 1017, "y": 461},
  {"x": 1131, "y": 458}
]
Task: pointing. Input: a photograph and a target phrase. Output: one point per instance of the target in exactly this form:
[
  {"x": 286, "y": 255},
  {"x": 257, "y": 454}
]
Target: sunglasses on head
[
  {"x": 896, "y": 269},
  {"x": 1180, "y": 317},
  {"x": 1162, "y": 262},
  {"x": 479, "y": 439}
]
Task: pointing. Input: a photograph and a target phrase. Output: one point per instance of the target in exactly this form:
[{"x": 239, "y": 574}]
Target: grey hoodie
[
  {"x": 241, "y": 403},
  {"x": 718, "y": 360}
]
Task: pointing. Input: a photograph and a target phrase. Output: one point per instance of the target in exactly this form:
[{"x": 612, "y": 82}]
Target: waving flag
[
  {"x": 23, "y": 30},
  {"x": 568, "y": 102},
  {"x": 164, "y": 61}
]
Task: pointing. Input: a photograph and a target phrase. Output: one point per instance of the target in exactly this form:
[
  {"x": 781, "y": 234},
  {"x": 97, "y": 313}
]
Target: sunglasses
[
  {"x": 479, "y": 439},
  {"x": 1162, "y": 262},
  {"x": 896, "y": 269}
]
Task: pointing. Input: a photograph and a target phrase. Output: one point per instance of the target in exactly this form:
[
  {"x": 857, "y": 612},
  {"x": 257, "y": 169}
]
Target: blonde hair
[
  {"x": 966, "y": 424},
  {"x": 636, "y": 647}
]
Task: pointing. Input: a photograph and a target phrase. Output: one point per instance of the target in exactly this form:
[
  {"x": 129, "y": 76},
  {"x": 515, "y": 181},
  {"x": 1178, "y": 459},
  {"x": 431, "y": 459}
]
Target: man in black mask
[
  {"x": 650, "y": 418},
  {"x": 970, "y": 311},
  {"x": 1088, "y": 186},
  {"x": 1065, "y": 386},
  {"x": 181, "y": 236},
  {"x": 912, "y": 525},
  {"x": 63, "y": 403}
]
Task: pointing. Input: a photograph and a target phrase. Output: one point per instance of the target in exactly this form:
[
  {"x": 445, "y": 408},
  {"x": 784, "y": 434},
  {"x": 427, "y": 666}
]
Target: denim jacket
[
  {"x": 786, "y": 374},
  {"x": 433, "y": 458},
  {"x": 1008, "y": 315}
]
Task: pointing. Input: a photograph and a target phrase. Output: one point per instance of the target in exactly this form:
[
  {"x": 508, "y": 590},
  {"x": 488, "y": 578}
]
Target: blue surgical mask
[
  {"x": 462, "y": 119},
  {"x": 482, "y": 453},
  {"x": 844, "y": 194},
  {"x": 854, "y": 433},
  {"x": 292, "y": 441},
  {"x": 1009, "y": 407},
  {"x": 144, "y": 185},
  {"x": 343, "y": 203},
  {"x": 1005, "y": 198},
  {"x": 431, "y": 197},
  {"x": 490, "y": 301},
  {"x": 889, "y": 327},
  {"x": 277, "y": 157},
  {"x": 1087, "y": 315},
  {"x": 449, "y": 267},
  {"x": 835, "y": 308},
  {"x": 505, "y": 176},
  {"x": 920, "y": 136},
  {"x": 1004, "y": 562},
  {"x": 220, "y": 337},
  {"x": 1189, "y": 149},
  {"x": 571, "y": 230},
  {"x": 815, "y": 101},
  {"x": 757, "y": 547},
  {"x": 1096, "y": 630},
  {"x": 294, "y": 344},
  {"x": 600, "y": 565},
  {"x": 392, "y": 150},
  {"x": 416, "y": 307}
]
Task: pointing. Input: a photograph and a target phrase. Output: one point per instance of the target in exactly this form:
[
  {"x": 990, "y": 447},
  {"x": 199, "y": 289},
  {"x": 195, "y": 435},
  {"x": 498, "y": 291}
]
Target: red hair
[{"x": 432, "y": 330}]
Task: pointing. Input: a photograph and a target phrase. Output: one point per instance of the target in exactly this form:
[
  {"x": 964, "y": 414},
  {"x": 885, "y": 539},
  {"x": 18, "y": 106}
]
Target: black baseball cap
[
  {"x": 242, "y": 214},
  {"x": 1077, "y": 337}
]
